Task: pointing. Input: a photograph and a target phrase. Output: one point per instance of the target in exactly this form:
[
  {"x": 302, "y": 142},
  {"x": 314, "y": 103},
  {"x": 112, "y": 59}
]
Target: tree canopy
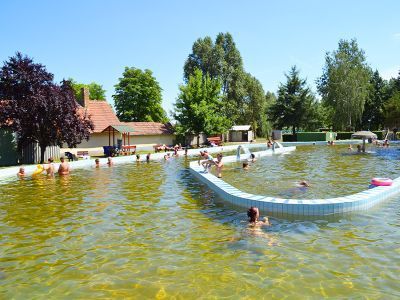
[
  {"x": 96, "y": 91},
  {"x": 392, "y": 111},
  {"x": 138, "y": 97},
  {"x": 344, "y": 84},
  {"x": 198, "y": 108},
  {"x": 37, "y": 109},
  {"x": 294, "y": 106}
]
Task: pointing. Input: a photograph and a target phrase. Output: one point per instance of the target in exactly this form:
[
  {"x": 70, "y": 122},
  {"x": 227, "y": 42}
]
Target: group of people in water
[{"x": 49, "y": 168}]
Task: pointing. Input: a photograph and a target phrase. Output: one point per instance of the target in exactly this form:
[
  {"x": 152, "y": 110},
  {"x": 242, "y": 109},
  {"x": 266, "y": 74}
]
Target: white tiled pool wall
[{"x": 306, "y": 207}]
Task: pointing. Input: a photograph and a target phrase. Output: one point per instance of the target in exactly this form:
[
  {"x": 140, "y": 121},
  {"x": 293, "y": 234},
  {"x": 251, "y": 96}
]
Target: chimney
[{"x": 85, "y": 97}]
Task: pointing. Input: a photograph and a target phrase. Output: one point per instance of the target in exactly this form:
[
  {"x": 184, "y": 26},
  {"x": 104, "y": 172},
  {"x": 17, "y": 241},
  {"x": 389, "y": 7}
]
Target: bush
[
  {"x": 344, "y": 135},
  {"x": 289, "y": 138},
  {"x": 379, "y": 134}
]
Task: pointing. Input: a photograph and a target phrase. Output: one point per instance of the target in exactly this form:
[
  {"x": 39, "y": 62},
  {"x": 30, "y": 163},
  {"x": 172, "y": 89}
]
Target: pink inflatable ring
[{"x": 381, "y": 181}]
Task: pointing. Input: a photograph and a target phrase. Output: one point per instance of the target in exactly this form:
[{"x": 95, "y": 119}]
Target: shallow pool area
[
  {"x": 151, "y": 230},
  {"x": 331, "y": 171}
]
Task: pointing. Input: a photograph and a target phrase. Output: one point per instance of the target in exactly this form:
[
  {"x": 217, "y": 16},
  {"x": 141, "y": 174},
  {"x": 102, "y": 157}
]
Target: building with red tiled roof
[{"x": 108, "y": 129}]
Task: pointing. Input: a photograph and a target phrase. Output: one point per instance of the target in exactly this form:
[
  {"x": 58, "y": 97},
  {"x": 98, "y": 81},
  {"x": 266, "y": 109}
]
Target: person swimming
[
  {"x": 253, "y": 214},
  {"x": 97, "y": 163},
  {"x": 21, "y": 172}
]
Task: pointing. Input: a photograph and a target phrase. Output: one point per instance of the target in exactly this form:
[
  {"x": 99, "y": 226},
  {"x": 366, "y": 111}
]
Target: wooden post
[{"x": 109, "y": 136}]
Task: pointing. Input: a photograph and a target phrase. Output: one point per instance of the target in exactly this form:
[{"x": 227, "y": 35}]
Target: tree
[
  {"x": 198, "y": 108},
  {"x": 254, "y": 103},
  {"x": 37, "y": 109},
  {"x": 294, "y": 103},
  {"x": 220, "y": 60},
  {"x": 392, "y": 111},
  {"x": 373, "y": 117},
  {"x": 138, "y": 97},
  {"x": 344, "y": 84},
  {"x": 96, "y": 91}
]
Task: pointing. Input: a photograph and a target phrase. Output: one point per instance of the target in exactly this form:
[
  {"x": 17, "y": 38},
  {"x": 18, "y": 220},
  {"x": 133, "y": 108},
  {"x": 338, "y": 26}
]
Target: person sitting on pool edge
[{"x": 254, "y": 214}]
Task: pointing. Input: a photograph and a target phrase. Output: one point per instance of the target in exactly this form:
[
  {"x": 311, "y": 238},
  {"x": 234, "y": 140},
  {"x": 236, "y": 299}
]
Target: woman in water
[{"x": 254, "y": 214}]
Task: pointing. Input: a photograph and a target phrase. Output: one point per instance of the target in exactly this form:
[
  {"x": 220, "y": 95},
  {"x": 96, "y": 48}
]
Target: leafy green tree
[
  {"x": 294, "y": 103},
  {"x": 96, "y": 91},
  {"x": 138, "y": 97},
  {"x": 392, "y": 111},
  {"x": 198, "y": 108},
  {"x": 373, "y": 115},
  {"x": 254, "y": 103},
  {"x": 220, "y": 60},
  {"x": 344, "y": 84},
  {"x": 37, "y": 109}
]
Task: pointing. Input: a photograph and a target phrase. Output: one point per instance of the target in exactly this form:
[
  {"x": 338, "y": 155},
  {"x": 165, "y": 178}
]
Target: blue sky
[{"x": 95, "y": 40}]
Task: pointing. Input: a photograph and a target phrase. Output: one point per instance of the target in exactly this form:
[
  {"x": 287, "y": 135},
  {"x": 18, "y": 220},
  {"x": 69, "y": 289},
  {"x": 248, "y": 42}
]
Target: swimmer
[
  {"x": 49, "y": 167},
  {"x": 166, "y": 157},
  {"x": 148, "y": 157},
  {"x": 350, "y": 148},
  {"x": 304, "y": 183},
  {"x": 64, "y": 168},
  {"x": 110, "y": 162},
  {"x": 254, "y": 214},
  {"x": 246, "y": 166},
  {"x": 252, "y": 157},
  {"x": 21, "y": 172},
  {"x": 137, "y": 157},
  {"x": 97, "y": 163}
]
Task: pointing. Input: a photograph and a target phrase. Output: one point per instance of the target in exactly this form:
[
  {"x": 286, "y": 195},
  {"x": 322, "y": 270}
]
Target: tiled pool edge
[{"x": 299, "y": 207}]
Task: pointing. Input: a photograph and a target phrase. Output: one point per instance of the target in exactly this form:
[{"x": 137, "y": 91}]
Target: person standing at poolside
[
  {"x": 64, "y": 168},
  {"x": 219, "y": 164}
]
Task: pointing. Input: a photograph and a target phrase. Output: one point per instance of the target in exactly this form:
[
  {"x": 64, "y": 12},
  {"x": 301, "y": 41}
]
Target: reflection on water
[
  {"x": 331, "y": 172},
  {"x": 152, "y": 231}
]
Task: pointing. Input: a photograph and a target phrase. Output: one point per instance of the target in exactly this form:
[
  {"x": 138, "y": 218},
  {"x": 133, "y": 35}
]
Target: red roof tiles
[
  {"x": 150, "y": 128},
  {"x": 101, "y": 114}
]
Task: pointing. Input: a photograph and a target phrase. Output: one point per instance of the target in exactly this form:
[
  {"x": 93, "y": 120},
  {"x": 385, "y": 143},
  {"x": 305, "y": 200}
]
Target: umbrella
[{"x": 363, "y": 135}]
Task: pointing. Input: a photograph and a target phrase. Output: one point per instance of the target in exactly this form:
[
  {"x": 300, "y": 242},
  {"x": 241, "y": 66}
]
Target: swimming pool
[
  {"x": 331, "y": 172},
  {"x": 153, "y": 231}
]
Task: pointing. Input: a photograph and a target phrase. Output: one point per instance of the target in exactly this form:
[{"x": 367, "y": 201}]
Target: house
[
  {"x": 109, "y": 131},
  {"x": 240, "y": 133},
  {"x": 147, "y": 134}
]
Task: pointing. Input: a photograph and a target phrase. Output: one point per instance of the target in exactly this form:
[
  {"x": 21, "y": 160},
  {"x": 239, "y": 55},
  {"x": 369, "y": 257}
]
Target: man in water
[
  {"x": 49, "y": 167},
  {"x": 97, "y": 163},
  {"x": 254, "y": 214},
  {"x": 21, "y": 172},
  {"x": 63, "y": 169}
]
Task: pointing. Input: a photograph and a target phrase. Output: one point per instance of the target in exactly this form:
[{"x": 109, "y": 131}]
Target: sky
[{"x": 93, "y": 41}]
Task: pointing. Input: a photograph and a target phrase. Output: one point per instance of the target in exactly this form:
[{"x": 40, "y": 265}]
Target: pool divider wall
[{"x": 302, "y": 207}]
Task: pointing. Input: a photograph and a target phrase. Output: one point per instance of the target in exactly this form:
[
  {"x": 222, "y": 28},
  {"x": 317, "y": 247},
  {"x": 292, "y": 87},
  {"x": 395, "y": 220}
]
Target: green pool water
[
  {"x": 151, "y": 231},
  {"x": 330, "y": 171}
]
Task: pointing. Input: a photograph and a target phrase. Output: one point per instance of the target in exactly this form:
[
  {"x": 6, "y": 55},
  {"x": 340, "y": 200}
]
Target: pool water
[
  {"x": 331, "y": 171},
  {"x": 151, "y": 231}
]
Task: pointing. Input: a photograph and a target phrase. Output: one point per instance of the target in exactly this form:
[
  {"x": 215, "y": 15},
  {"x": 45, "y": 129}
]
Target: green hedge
[
  {"x": 379, "y": 134},
  {"x": 315, "y": 136},
  {"x": 289, "y": 138}
]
